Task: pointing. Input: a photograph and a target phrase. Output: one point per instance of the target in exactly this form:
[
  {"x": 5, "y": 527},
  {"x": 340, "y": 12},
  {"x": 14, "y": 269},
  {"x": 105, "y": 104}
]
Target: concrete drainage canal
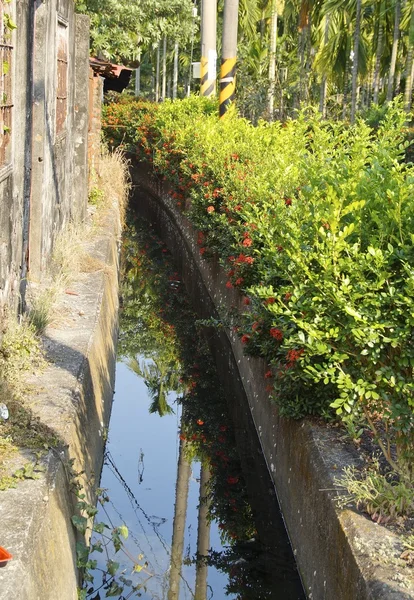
[{"x": 186, "y": 509}]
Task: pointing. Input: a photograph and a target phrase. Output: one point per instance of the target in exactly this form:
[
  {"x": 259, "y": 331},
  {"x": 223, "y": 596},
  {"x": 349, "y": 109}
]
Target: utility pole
[
  {"x": 208, "y": 47},
  {"x": 228, "y": 59}
]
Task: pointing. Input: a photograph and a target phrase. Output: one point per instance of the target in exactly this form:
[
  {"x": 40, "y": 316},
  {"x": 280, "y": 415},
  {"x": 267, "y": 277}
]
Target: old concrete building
[{"x": 44, "y": 55}]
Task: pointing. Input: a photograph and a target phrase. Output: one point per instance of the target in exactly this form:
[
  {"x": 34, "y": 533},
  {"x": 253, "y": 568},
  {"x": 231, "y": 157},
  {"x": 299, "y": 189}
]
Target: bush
[{"x": 313, "y": 221}]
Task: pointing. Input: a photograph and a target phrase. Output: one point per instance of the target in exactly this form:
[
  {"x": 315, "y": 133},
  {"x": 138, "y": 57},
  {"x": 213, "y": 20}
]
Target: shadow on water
[{"x": 192, "y": 487}]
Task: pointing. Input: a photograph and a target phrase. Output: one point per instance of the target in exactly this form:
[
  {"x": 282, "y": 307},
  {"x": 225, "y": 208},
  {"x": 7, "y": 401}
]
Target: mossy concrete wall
[
  {"x": 73, "y": 397},
  {"x": 341, "y": 555}
]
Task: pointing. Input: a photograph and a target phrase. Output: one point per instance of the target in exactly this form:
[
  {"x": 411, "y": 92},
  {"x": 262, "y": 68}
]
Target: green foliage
[
  {"x": 137, "y": 24},
  {"x": 313, "y": 221}
]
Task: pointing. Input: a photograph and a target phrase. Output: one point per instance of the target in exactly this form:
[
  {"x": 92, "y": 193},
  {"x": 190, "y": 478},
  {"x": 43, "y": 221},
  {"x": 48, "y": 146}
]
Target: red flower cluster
[
  {"x": 232, "y": 480},
  {"x": 245, "y": 338},
  {"x": 276, "y": 333},
  {"x": 293, "y": 355}
]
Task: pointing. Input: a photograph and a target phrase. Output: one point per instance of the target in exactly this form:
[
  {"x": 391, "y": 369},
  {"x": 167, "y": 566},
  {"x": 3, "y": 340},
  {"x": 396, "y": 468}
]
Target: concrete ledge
[
  {"x": 73, "y": 397},
  {"x": 341, "y": 555}
]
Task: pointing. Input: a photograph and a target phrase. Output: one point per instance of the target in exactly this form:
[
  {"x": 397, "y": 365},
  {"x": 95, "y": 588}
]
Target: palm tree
[
  {"x": 355, "y": 59},
  {"x": 409, "y": 64},
  {"x": 160, "y": 378},
  {"x": 391, "y": 77},
  {"x": 180, "y": 514},
  {"x": 203, "y": 535}
]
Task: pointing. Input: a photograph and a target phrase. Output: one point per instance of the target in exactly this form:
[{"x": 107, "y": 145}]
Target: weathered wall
[
  {"x": 73, "y": 397},
  {"x": 43, "y": 183},
  {"x": 94, "y": 126},
  {"x": 14, "y": 190},
  {"x": 341, "y": 555}
]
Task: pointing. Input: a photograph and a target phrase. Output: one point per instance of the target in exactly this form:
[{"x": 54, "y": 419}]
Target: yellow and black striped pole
[
  {"x": 208, "y": 48},
  {"x": 228, "y": 60},
  {"x": 227, "y": 83}
]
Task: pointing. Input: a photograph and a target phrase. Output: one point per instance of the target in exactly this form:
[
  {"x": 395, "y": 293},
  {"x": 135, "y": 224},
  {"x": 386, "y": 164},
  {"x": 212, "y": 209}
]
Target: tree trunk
[
  {"x": 390, "y": 88},
  {"x": 203, "y": 536},
  {"x": 175, "y": 76},
  {"x": 138, "y": 75},
  {"x": 409, "y": 65},
  {"x": 180, "y": 514},
  {"x": 208, "y": 61},
  {"x": 157, "y": 75},
  {"x": 378, "y": 56},
  {"x": 272, "y": 60},
  {"x": 346, "y": 84},
  {"x": 324, "y": 82},
  {"x": 164, "y": 69},
  {"x": 355, "y": 62},
  {"x": 229, "y": 53}
]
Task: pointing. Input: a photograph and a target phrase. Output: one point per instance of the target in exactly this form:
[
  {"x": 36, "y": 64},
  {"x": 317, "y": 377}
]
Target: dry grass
[
  {"x": 112, "y": 180},
  {"x": 109, "y": 186}
]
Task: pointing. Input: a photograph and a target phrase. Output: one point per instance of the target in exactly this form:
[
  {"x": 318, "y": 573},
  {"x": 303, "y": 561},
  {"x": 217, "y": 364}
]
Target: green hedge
[{"x": 313, "y": 221}]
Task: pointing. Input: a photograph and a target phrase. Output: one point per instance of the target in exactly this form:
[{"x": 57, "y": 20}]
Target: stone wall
[{"x": 43, "y": 180}]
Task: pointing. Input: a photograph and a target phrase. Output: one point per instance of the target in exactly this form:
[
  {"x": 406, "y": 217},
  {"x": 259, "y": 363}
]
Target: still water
[{"x": 194, "y": 516}]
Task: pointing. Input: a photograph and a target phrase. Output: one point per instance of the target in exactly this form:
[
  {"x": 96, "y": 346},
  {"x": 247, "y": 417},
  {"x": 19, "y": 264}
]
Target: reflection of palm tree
[
  {"x": 203, "y": 535},
  {"x": 160, "y": 379},
  {"x": 180, "y": 513}
]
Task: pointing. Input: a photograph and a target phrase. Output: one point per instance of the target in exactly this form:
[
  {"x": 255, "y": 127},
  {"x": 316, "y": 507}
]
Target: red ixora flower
[
  {"x": 245, "y": 338},
  {"x": 232, "y": 480},
  {"x": 293, "y": 355},
  {"x": 246, "y": 300},
  {"x": 210, "y": 209},
  {"x": 247, "y": 242},
  {"x": 276, "y": 333},
  {"x": 288, "y": 201},
  {"x": 200, "y": 422},
  {"x": 268, "y": 374}
]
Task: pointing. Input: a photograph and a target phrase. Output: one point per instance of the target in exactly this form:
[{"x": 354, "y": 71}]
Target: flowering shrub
[{"x": 313, "y": 221}]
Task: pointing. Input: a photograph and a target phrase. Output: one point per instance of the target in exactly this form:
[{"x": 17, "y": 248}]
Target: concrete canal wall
[
  {"x": 73, "y": 398},
  {"x": 341, "y": 555}
]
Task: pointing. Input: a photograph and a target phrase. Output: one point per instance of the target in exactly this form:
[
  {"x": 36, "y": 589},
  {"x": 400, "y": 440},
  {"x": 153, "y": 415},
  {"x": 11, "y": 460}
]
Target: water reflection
[{"x": 218, "y": 541}]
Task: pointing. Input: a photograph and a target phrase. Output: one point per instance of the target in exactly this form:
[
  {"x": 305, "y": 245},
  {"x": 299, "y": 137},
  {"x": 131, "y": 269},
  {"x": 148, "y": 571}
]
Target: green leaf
[
  {"x": 114, "y": 590},
  {"x": 81, "y": 523},
  {"x": 112, "y": 567}
]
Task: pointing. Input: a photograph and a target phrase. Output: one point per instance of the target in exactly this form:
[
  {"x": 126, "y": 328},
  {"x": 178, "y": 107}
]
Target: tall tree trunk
[
  {"x": 355, "y": 62},
  {"x": 164, "y": 69},
  {"x": 272, "y": 60},
  {"x": 390, "y": 88},
  {"x": 346, "y": 84},
  {"x": 138, "y": 75},
  {"x": 302, "y": 44},
  {"x": 180, "y": 514},
  {"x": 378, "y": 56},
  {"x": 409, "y": 65},
  {"x": 157, "y": 75},
  {"x": 203, "y": 536},
  {"x": 324, "y": 82},
  {"x": 175, "y": 76},
  {"x": 229, "y": 53},
  {"x": 208, "y": 63}
]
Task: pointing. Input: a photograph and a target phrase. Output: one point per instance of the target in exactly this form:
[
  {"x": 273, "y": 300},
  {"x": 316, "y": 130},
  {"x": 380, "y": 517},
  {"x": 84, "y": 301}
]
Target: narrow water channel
[{"x": 182, "y": 478}]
